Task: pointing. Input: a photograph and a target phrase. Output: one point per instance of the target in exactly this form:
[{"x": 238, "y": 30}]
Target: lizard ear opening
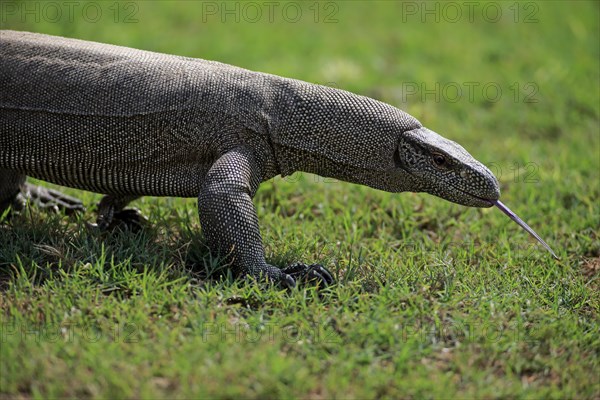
[
  {"x": 400, "y": 157},
  {"x": 405, "y": 155}
]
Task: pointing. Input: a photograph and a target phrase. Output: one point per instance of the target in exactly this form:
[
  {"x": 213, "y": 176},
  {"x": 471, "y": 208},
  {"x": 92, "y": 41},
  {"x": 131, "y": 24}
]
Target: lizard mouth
[
  {"x": 484, "y": 202},
  {"x": 487, "y": 202},
  {"x": 481, "y": 201}
]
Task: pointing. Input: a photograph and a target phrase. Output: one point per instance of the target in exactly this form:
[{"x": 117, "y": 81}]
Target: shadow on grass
[{"x": 44, "y": 245}]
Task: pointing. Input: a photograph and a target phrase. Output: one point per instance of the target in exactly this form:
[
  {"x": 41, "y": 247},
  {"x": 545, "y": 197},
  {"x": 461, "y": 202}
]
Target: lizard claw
[
  {"x": 313, "y": 273},
  {"x": 288, "y": 282}
]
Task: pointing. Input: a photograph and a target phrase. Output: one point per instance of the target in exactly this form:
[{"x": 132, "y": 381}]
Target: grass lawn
[{"x": 433, "y": 300}]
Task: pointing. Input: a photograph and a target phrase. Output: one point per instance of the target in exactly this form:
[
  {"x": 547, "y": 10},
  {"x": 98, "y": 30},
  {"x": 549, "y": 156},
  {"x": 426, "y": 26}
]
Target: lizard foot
[
  {"x": 14, "y": 205},
  {"x": 132, "y": 218},
  {"x": 314, "y": 274},
  {"x": 128, "y": 218},
  {"x": 52, "y": 199}
]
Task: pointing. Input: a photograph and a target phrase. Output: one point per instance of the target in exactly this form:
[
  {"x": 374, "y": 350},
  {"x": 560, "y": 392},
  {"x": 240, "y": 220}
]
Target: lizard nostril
[{"x": 464, "y": 174}]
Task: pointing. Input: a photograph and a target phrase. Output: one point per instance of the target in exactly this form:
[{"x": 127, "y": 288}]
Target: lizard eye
[{"x": 439, "y": 159}]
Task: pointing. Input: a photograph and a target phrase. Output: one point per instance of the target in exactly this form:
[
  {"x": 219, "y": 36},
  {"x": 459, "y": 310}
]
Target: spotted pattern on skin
[
  {"x": 130, "y": 123},
  {"x": 233, "y": 230},
  {"x": 445, "y": 169}
]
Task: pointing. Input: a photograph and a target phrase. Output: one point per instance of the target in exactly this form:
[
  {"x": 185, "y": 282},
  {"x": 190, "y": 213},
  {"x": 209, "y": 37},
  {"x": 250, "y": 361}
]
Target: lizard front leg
[{"x": 230, "y": 223}]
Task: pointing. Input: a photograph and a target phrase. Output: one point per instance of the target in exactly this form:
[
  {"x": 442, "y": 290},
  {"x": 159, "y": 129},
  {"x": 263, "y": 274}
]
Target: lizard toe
[
  {"x": 288, "y": 282},
  {"x": 310, "y": 274},
  {"x": 325, "y": 274},
  {"x": 53, "y": 200}
]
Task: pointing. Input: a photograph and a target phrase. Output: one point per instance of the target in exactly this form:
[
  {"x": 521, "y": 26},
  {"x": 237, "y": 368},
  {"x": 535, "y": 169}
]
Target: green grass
[{"x": 434, "y": 299}]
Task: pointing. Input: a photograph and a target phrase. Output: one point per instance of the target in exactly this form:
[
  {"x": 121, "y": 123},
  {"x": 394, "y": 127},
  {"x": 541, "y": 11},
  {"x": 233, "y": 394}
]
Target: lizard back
[{"x": 118, "y": 120}]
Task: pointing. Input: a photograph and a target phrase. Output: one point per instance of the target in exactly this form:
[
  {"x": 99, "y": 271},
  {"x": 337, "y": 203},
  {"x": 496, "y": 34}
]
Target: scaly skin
[{"x": 130, "y": 123}]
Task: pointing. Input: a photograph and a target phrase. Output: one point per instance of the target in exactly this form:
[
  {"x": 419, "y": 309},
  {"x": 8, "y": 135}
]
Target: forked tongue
[{"x": 523, "y": 225}]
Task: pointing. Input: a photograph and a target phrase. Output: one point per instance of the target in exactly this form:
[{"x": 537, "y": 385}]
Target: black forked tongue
[{"x": 523, "y": 225}]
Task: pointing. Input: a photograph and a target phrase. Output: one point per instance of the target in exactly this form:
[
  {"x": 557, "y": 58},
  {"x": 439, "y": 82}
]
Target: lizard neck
[{"x": 338, "y": 134}]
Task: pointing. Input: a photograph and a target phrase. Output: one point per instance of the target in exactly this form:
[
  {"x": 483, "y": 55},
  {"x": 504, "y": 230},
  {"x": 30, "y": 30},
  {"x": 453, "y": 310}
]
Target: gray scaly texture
[{"x": 130, "y": 123}]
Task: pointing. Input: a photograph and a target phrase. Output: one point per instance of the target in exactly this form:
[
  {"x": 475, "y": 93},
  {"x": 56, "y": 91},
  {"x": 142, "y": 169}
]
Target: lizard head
[
  {"x": 445, "y": 169},
  {"x": 337, "y": 134}
]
